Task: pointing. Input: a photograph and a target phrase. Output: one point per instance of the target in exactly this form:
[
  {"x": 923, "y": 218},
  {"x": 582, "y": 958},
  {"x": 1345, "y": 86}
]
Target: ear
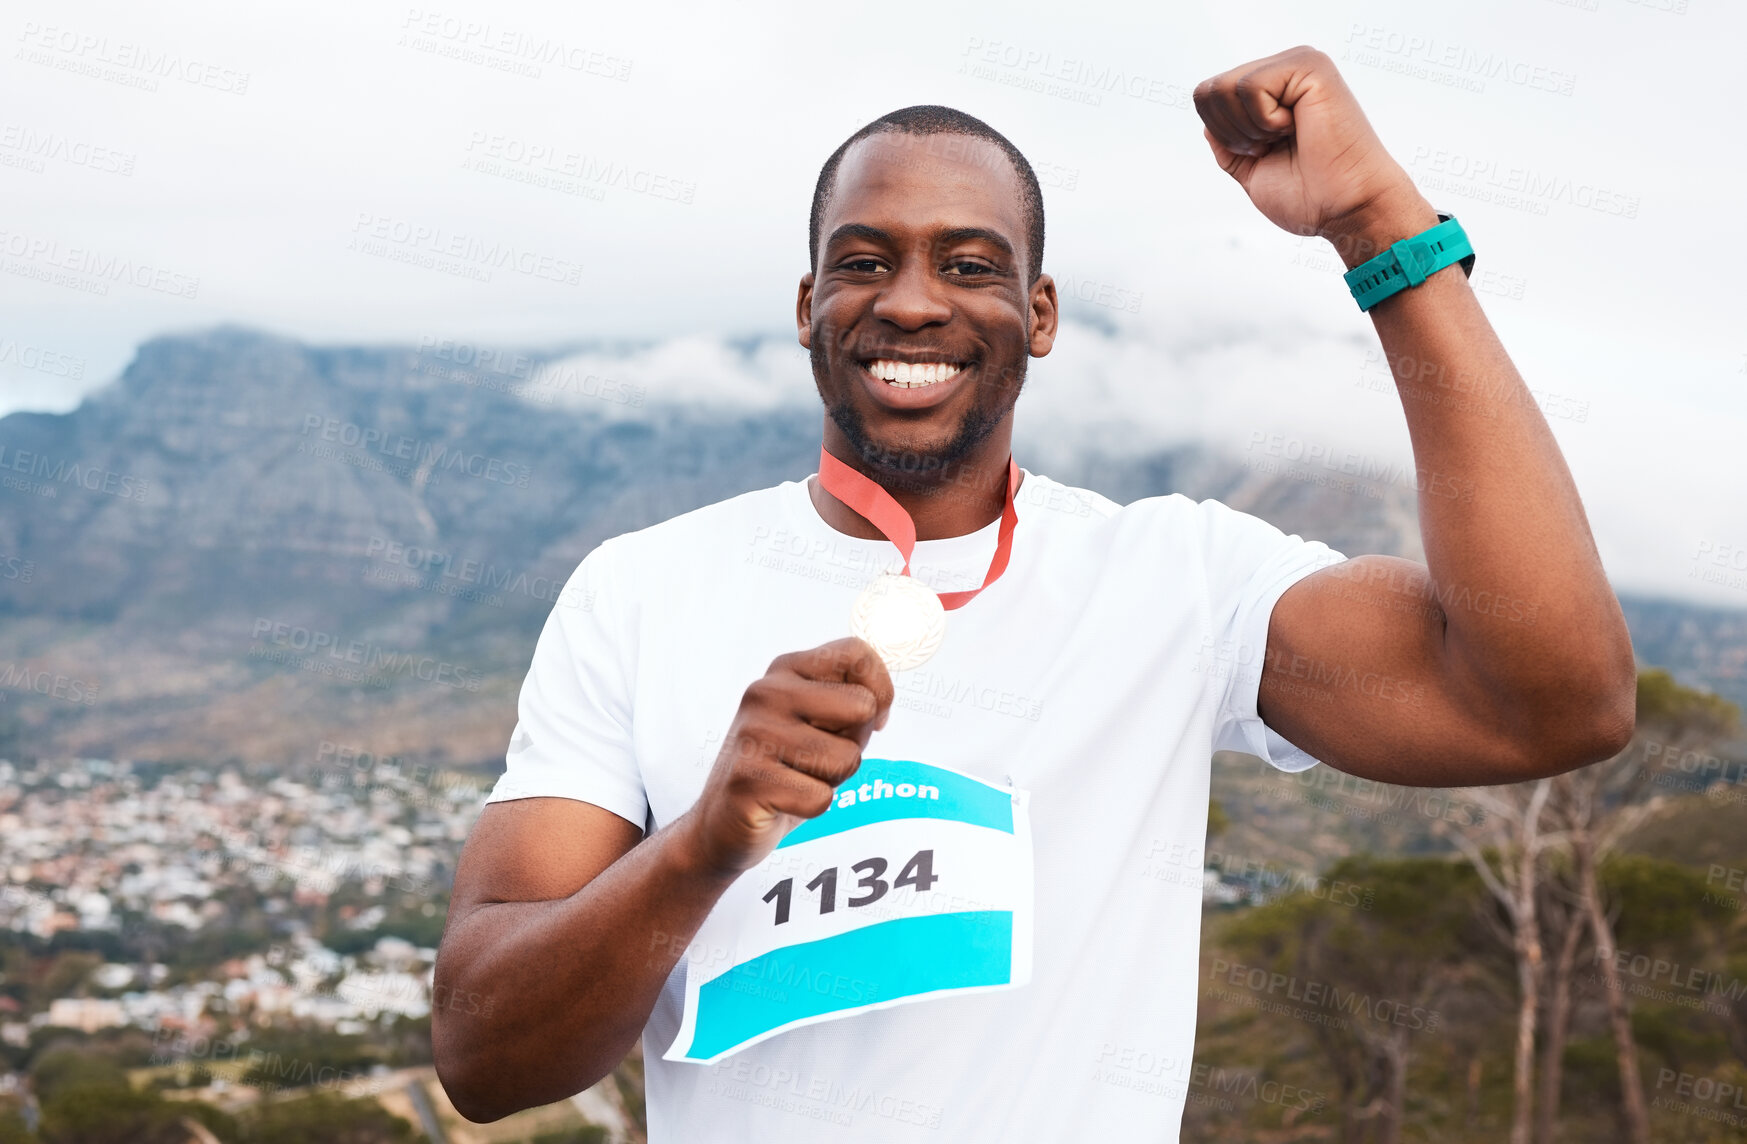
[
  {"x": 1044, "y": 315},
  {"x": 804, "y": 311}
]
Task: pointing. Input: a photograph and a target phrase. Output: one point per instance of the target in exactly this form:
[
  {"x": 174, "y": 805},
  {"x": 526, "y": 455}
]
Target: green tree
[
  {"x": 86, "y": 1099},
  {"x": 66, "y": 1068},
  {"x": 586, "y": 1134},
  {"x": 289, "y": 1056},
  {"x": 1217, "y": 819},
  {"x": 322, "y": 1118},
  {"x": 1511, "y": 868},
  {"x": 13, "y": 1131},
  {"x": 1596, "y": 808},
  {"x": 628, "y": 1079},
  {"x": 1380, "y": 973},
  {"x": 1666, "y": 704},
  {"x": 105, "y": 1114},
  {"x": 65, "y": 974}
]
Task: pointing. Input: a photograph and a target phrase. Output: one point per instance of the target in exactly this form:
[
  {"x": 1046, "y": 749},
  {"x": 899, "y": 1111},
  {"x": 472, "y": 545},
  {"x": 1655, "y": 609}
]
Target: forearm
[
  {"x": 1531, "y": 621},
  {"x": 534, "y": 1001}
]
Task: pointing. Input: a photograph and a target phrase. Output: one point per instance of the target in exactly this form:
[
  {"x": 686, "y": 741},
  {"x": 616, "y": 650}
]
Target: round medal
[{"x": 902, "y": 618}]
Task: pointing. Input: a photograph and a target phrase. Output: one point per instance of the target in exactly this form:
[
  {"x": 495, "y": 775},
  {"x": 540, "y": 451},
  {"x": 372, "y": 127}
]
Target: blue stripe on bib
[
  {"x": 900, "y": 788},
  {"x": 886, "y": 961}
]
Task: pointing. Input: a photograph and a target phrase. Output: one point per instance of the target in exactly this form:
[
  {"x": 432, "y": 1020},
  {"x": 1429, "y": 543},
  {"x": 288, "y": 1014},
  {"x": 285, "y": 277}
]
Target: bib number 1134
[
  {"x": 917, "y": 873},
  {"x": 920, "y": 892}
]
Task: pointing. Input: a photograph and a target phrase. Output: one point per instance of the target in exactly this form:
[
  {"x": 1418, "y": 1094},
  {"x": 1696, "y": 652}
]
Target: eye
[
  {"x": 965, "y": 268},
  {"x": 859, "y": 265}
]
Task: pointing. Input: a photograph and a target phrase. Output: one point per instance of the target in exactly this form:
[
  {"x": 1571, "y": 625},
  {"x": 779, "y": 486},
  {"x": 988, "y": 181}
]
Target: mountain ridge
[{"x": 233, "y": 486}]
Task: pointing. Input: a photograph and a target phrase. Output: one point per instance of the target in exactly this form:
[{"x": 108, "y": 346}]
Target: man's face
[{"x": 922, "y": 275}]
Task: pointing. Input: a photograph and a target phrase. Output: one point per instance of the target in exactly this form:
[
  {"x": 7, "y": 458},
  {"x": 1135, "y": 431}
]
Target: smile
[{"x": 911, "y": 375}]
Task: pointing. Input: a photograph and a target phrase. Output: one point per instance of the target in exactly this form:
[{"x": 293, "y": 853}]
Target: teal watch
[{"x": 1410, "y": 261}]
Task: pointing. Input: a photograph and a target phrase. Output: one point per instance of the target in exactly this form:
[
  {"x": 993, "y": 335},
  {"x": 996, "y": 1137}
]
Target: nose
[{"x": 912, "y": 296}]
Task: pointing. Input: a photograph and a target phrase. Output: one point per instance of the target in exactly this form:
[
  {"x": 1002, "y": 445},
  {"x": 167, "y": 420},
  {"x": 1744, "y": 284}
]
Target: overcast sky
[{"x": 315, "y": 171}]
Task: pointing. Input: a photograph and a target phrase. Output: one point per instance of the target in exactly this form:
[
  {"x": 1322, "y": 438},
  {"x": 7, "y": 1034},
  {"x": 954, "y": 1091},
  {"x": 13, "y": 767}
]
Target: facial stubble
[{"x": 901, "y": 466}]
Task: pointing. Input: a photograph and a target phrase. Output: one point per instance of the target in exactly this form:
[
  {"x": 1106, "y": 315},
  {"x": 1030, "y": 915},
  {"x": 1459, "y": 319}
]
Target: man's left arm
[{"x": 1505, "y": 656}]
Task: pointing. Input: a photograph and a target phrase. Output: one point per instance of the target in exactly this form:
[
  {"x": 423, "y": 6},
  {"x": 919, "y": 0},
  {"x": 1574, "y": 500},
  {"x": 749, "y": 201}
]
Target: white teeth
[{"x": 908, "y": 375}]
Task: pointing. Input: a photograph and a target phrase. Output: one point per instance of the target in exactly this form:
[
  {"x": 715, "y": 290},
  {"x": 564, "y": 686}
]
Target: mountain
[{"x": 173, "y": 551}]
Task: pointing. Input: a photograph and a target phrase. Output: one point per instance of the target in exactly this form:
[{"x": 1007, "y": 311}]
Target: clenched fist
[
  {"x": 797, "y": 736},
  {"x": 1288, "y": 129}
]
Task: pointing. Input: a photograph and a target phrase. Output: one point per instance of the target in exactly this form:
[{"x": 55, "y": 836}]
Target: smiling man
[{"x": 939, "y": 879}]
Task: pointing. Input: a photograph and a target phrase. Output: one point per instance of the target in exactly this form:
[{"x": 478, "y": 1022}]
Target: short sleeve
[
  {"x": 573, "y": 731},
  {"x": 1250, "y": 564}
]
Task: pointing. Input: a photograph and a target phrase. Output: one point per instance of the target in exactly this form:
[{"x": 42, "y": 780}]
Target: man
[{"x": 1111, "y": 652}]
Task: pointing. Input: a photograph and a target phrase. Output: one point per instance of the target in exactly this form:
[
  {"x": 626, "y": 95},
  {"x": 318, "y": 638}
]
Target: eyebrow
[{"x": 947, "y": 238}]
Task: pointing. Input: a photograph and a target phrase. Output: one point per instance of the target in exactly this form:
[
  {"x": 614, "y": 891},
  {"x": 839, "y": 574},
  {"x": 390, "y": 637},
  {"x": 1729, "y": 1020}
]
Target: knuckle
[
  {"x": 804, "y": 786},
  {"x": 774, "y": 779},
  {"x": 741, "y": 783},
  {"x": 754, "y": 742},
  {"x": 763, "y": 693},
  {"x": 842, "y": 759},
  {"x": 785, "y": 776},
  {"x": 808, "y": 757}
]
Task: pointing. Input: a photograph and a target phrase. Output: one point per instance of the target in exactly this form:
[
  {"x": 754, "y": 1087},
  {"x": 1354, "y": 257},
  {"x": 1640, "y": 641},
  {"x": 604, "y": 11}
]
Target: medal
[{"x": 901, "y": 617}]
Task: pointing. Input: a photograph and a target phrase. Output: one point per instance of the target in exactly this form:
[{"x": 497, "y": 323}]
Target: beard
[{"x": 902, "y": 465}]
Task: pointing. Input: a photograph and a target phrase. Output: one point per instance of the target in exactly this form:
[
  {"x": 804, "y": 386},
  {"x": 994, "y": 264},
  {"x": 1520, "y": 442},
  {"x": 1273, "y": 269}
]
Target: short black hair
[{"x": 927, "y": 119}]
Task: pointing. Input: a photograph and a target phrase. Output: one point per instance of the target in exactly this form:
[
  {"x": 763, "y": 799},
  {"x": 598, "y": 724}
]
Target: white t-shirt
[{"x": 1120, "y": 649}]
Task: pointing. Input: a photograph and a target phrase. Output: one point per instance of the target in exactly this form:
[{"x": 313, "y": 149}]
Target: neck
[{"x": 959, "y": 499}]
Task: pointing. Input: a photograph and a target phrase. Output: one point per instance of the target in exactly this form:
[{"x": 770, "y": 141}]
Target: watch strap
[{"x": 1409, "y": 262}]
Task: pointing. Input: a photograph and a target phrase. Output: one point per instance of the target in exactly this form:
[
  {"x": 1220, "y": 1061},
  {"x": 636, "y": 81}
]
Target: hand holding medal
[{"x": 901, "y": 617}]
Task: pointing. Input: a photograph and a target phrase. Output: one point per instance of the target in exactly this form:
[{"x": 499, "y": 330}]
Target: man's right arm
[{"x": 563, "y": 926}]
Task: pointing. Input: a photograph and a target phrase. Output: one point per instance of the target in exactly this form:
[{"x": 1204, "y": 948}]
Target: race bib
[{"x": 915, "y": 884}]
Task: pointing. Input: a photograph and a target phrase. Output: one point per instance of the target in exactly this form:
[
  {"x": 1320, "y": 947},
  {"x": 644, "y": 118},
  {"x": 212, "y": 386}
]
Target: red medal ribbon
[{"x": 866, "y": 497}]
